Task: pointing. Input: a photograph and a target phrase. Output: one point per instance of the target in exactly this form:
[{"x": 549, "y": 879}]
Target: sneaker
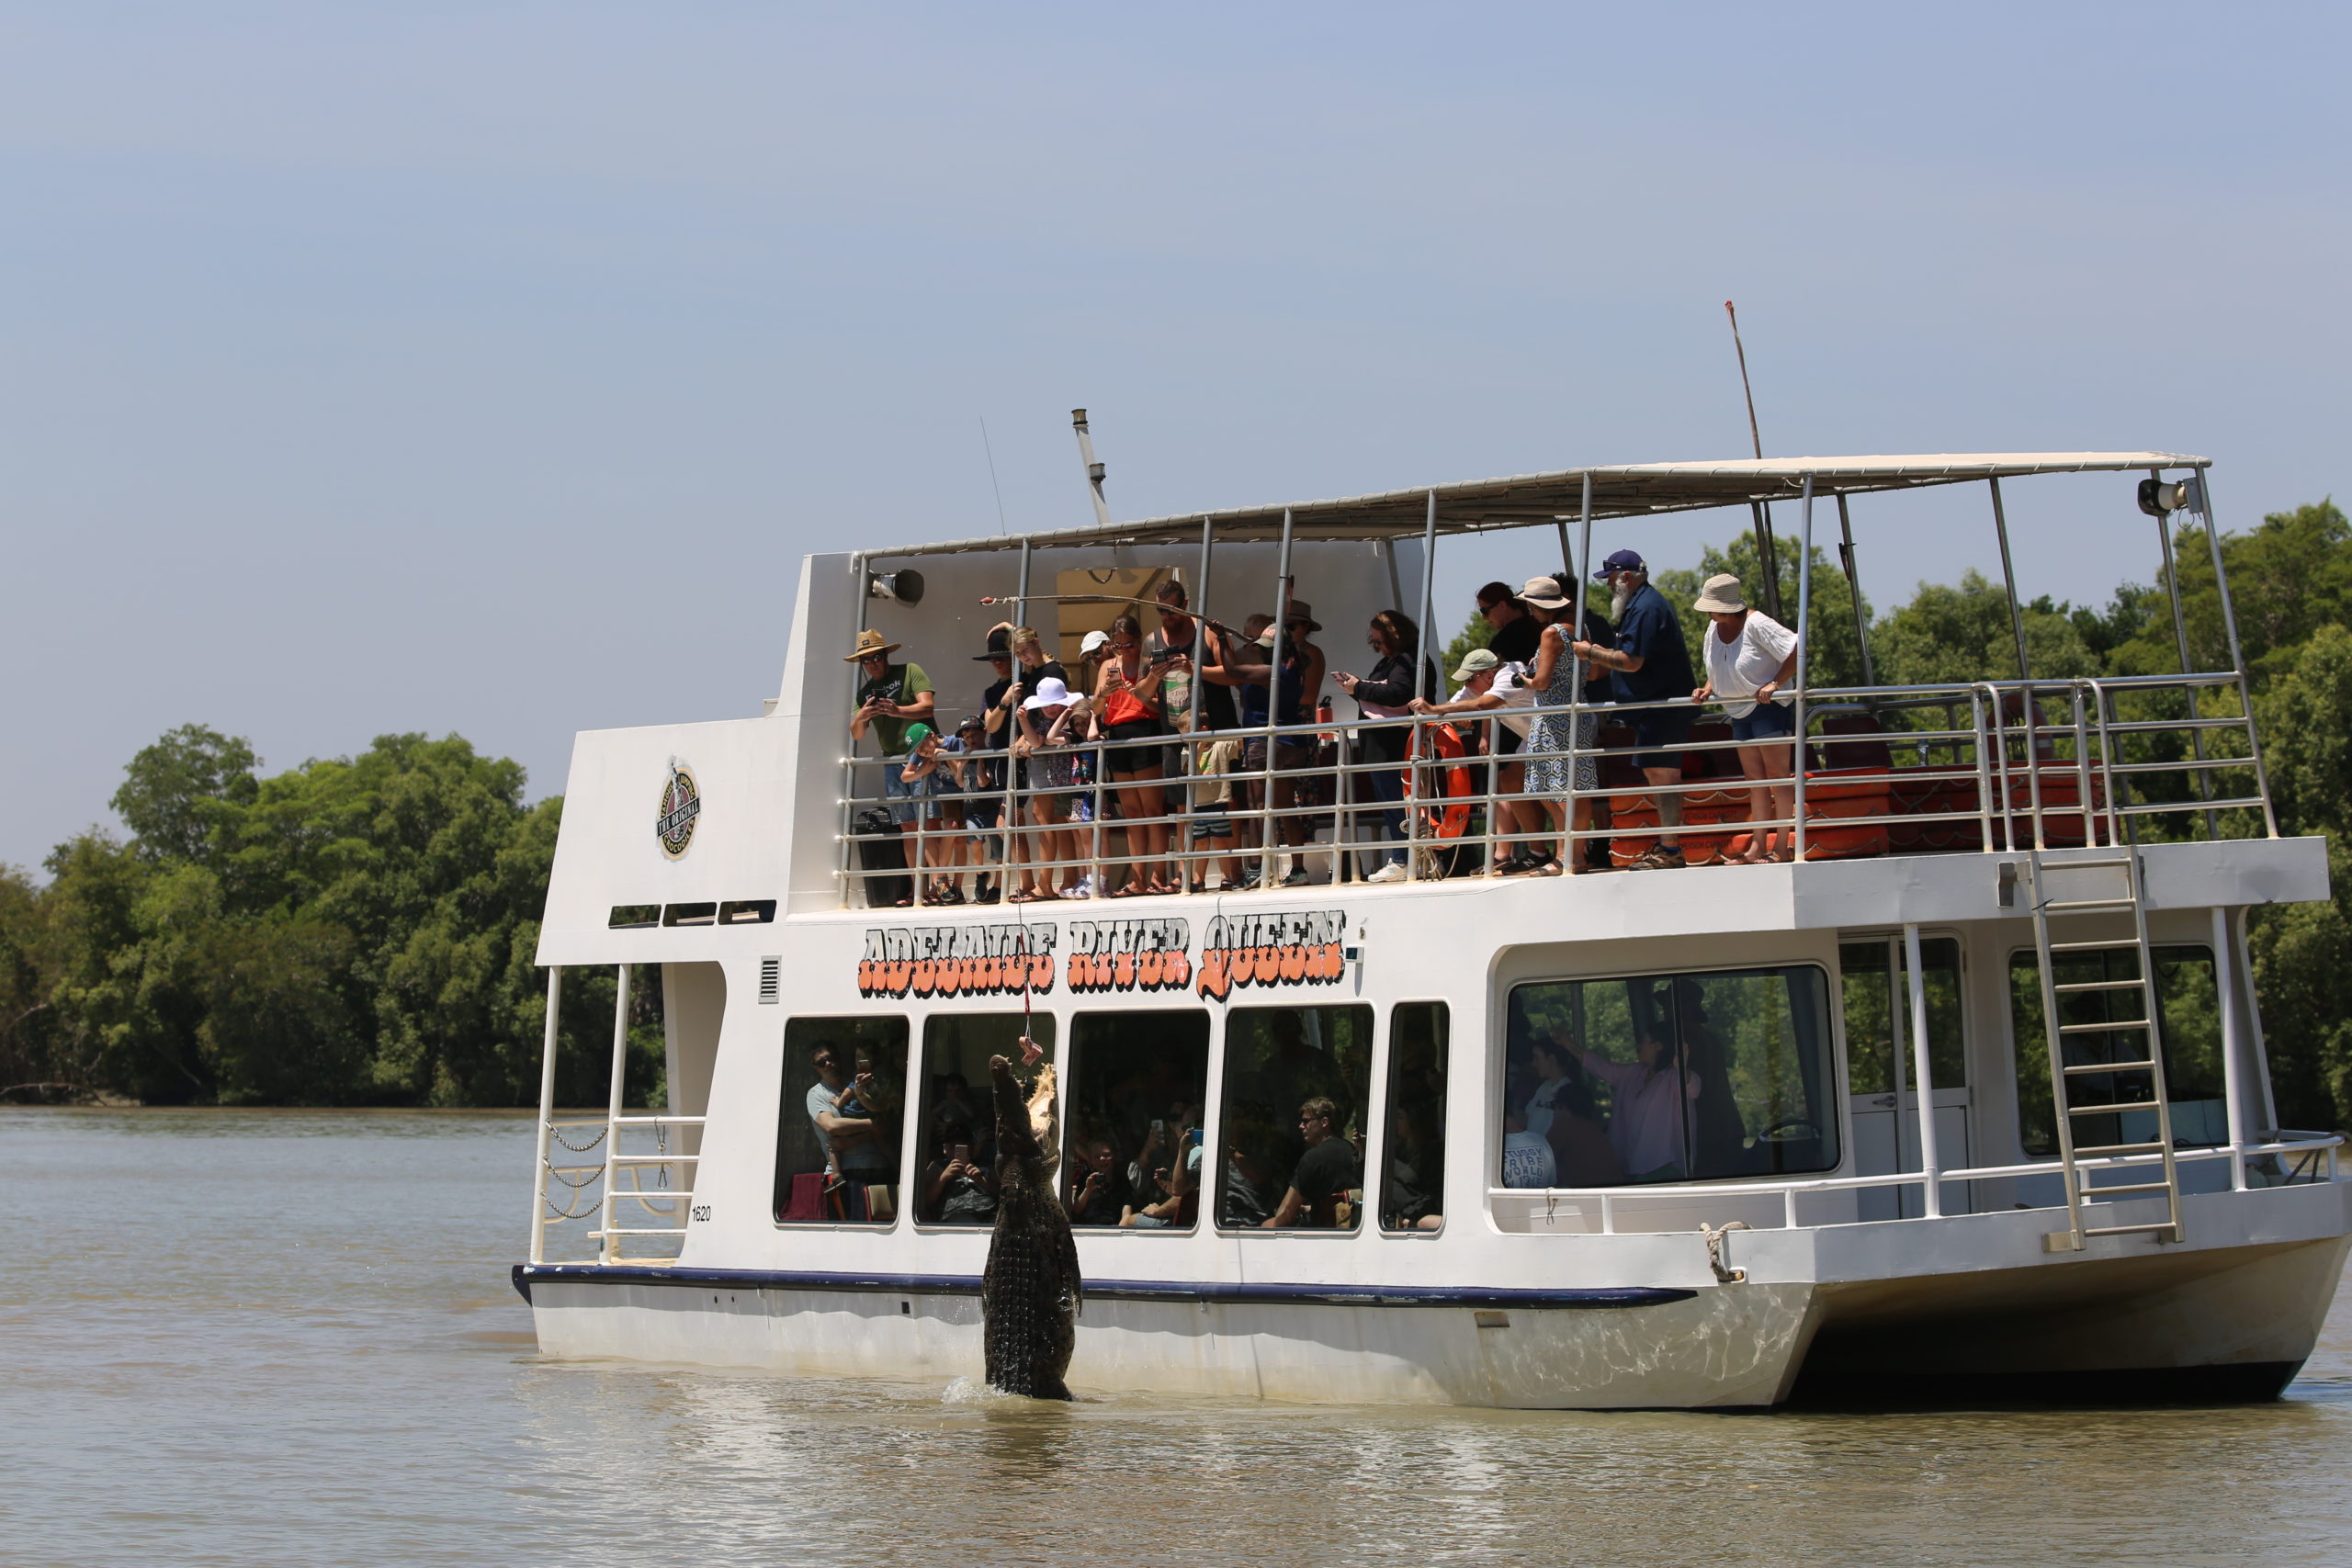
[
  {"x": 1298, "y": 877},
  {"x": 1392, "y": 871}
]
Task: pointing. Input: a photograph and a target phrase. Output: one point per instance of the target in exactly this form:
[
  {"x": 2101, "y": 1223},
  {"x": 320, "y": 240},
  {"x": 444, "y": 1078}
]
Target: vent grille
[{"x": 771, "y": 981}]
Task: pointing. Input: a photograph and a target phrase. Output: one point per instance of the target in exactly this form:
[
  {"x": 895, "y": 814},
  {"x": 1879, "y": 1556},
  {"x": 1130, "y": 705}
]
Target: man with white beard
[{"x": 1649, "y": 663}]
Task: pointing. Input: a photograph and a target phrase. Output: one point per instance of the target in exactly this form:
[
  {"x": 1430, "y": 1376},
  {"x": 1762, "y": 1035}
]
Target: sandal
[
  {"x": 952, "y": 896},
  {"x": 1659, "y": 857},
  {"x": 1548, "y": 868},
  {"x": 1026, "y": 896}
]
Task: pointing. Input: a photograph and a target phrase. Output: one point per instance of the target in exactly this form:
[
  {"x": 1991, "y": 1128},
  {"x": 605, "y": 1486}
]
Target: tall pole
[
  {"x": 1854, "y": 587},
  {"x": 1014, "y": 847},
  {"x": 2203, "y": 780},
  {"x": 1767, "y": 558},
  {"x": 1580, "y": 573},
  {"x": 1930, "y": 1167},
  {"x": 2010, "y": 582},
  {"x": 611, "y": 1125},
  {"x": 547, "y": 1115},
  {"x": 1093, "y": 469}
]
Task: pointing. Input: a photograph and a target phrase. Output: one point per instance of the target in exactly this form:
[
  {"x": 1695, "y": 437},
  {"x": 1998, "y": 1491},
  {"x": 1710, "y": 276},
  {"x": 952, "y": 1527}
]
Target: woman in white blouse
[{"x": 1751, "y": 657}]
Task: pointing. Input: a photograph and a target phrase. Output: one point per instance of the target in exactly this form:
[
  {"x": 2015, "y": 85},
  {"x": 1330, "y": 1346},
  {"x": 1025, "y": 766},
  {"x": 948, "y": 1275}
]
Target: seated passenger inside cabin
[
  {"x": 959, "y": 1186},
  {"x": 1527, "y": 1156},
  {"x": 1329, "y": 1170},
  {"x": 860, "y": 1141},
  {"x": 1177, "y": 1183},
  {"x": 1412, "y": 1194},
  {"x": 1099, "y": 1194}
]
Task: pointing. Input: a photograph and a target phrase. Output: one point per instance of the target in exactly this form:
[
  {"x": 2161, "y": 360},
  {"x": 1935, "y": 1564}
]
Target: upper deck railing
[{"x": 1982, "y": 766}]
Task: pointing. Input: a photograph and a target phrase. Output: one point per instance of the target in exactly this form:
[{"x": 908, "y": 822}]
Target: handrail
[{"x": 2007, "y": 745}]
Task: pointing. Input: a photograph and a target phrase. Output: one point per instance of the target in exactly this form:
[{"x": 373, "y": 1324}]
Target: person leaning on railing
[
  {"x": 1751, "y": 659},
  {"x": 1649, "y": 663},
  {"x": 1549, "y": 777},
  {"x": 1481, "y": 692},
  {"x": 1399, "y": 680},
  {"x": 891, "y": 699}
]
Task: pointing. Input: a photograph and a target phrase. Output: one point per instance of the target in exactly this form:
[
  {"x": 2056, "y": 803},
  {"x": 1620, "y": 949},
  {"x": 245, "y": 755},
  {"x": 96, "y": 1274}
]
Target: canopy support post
[
  {"x": 1266, "y": 878},
  {"x": 1420, "y": 663},
  {"x": 1805, "y": 658},
  {"x": 1923, "y": 1076},
  {"x": 2010, "y": 581},
  {"x": 612, "y": 1126},
  {"x": 2204, "y": 509}
]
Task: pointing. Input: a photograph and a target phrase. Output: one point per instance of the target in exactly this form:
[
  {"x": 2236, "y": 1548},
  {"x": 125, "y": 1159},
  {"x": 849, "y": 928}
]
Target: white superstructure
[{"x": 1906, "y": 1138}]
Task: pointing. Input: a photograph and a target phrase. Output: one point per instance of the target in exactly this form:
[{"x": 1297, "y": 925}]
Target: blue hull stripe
[{"x": 528, "y": 1274}]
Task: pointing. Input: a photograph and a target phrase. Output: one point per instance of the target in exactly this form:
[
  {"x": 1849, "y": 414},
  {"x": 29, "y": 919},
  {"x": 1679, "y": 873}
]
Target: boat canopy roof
[{"x": 1519, "y": 500}]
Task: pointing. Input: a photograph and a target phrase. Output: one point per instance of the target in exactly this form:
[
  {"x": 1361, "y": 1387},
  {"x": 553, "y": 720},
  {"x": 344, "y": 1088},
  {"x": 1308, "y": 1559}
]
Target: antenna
[
  {"x": 1093, "y": 469},
  {"x": 1759, "y": 513},
  {"x": 1000, "y": 524}
]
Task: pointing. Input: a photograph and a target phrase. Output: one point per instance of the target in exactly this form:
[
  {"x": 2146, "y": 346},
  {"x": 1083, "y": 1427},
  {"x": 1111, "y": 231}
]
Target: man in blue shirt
[{"x": 1649, "y": 663}]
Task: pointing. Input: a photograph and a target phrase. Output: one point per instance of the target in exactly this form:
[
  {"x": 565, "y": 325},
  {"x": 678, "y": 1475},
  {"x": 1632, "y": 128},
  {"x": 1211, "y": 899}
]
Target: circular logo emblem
[{"x": 680, "y": 803}]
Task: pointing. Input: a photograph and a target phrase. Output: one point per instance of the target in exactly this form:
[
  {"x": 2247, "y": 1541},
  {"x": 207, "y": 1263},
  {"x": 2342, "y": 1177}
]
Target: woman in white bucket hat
[{"x": 1751, "y": 659}]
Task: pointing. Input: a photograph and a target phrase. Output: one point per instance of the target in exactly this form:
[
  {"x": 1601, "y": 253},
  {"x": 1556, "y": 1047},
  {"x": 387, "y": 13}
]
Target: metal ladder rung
[
  {"x": 2131, "y": 1230},
  {"x": 2092, "y": 1194},
  {"x": 2106, "y": 945},
  {"x": 2114, "y": 1109},
  {"x": 2111, "y": 862},
  {"x": 2074, "y": 985},
  {"x": 2090, "y": 1150},
  {"x": 2077, "y": 906},
  {"x": 2102, "y": 1028},
  {"x": 2087, "y": 1069}
]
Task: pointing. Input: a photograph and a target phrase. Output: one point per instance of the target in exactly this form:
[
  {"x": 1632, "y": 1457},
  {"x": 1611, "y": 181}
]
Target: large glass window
[
  {"x": 1297, "y": 1083},
  {"x": 1412, "y": 1184},
  {"x": 1877, "y": 990},
  {"x": 1137, "y": 1081},
  {"x": 954, "y": 1179},
  {"x": 2189, "y": 1015},
  {"x": 844, "y": 1098},
  {"x": 1666, "y": 1077}
]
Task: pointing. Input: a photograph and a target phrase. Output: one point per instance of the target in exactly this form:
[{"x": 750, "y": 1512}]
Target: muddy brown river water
[{"x": 287, "y": 1337}]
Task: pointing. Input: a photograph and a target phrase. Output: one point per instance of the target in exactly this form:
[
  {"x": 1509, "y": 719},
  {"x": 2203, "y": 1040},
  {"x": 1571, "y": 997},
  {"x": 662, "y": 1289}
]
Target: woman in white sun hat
[{"x": 1751, "y": 659}]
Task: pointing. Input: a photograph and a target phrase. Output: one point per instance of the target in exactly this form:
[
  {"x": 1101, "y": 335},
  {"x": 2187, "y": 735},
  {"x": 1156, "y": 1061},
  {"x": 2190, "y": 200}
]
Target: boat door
[{"x": 1880, "y": 1090}]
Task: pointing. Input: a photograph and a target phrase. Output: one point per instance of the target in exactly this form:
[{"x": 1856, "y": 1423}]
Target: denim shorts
[
  {"x": 1766, "y": 721},
  {"x": 901, "y": 795}
]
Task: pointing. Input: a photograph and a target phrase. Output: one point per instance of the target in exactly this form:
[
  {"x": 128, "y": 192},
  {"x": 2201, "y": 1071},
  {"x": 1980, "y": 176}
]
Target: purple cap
[{"x": 1623, "y": 560}]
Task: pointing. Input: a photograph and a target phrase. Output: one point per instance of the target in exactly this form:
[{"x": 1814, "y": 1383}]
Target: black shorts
[
  {"x": 1134, "y": 746},
  {"x": 1658, "y": 735}
]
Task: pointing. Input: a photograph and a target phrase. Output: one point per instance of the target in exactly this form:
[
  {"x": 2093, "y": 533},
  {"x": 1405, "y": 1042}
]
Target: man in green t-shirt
[{"x": 889, "y": 698}]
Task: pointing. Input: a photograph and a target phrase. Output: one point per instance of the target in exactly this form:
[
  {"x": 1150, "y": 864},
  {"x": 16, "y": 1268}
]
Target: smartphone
[
  {"x": 1158, "y": 1127},
  {"x": 1165, "y": 655},
  {"x": 1194, "y": 1137},
  {"x": 960, "y": 1152}
]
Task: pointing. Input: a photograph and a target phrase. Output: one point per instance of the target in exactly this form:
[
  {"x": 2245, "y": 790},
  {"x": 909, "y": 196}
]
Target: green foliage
[
  {"x": 354, "y": 930},
  {"x": 1965, "y": 634},
  {"x": 175, "y": 791},
  {"x": 1475, "y": 633}
]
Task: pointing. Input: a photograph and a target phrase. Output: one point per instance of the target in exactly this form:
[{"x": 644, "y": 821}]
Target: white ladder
[{"x": 2075, "y": 905}]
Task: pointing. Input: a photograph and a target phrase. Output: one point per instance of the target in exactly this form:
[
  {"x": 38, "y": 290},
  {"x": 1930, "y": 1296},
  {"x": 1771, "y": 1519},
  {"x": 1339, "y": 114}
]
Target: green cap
[{"x": 917, "y": 733}]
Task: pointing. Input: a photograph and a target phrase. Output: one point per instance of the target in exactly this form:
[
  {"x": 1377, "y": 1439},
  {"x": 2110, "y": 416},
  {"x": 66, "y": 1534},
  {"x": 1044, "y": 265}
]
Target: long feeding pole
[
  {"x": 1093, "y": 469},
  {"x": 2010, "y": 582},
  {"x": 1768, "y": 558},
  {"x": 1854, "y": 589}
]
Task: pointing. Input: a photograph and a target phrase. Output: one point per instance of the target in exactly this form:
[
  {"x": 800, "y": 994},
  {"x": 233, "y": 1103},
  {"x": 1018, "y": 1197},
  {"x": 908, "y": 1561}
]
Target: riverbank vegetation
[{"x": 360, "y": 930}]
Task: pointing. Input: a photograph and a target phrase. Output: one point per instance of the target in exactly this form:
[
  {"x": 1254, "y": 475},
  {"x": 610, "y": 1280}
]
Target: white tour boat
[{"x": 1969, "y": 1096}]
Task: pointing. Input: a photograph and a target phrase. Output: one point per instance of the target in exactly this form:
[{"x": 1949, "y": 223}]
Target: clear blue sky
[{"x": 489, "y": 367}]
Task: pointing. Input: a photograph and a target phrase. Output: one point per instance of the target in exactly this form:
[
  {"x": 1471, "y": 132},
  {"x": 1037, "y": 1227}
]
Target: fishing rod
[{"x": 1761, "y": 511}]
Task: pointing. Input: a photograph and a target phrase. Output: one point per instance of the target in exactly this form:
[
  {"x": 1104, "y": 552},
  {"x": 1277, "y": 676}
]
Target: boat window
[
  {"x": 851, "y": 1071},
  {"x": 1289, "y": 1133},
  {"x": 1876, "y": 989},
  {"x": 1666, "y": 1077},
  {"x": 2187, "y": 1013},
  {"x": 954, "y": 1179},
  {"x": 1137, "y": 1081},
  {"x": 1413, "y": 1182}
]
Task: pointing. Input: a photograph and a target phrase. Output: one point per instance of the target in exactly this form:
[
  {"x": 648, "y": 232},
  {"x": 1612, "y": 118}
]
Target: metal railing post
[
  {"x": 2233, "y": 1046},
  {"x": 1415, "y": 760},
  {"x": 1271, "y": 835},
  {"x": 1930, "y": 1163},
  {"x": 1804, "y": 660},
  {"x": 1580, "y": 573},
  {"x": 613, "y": 1115},
  {"x": 547, "y": 1115}
]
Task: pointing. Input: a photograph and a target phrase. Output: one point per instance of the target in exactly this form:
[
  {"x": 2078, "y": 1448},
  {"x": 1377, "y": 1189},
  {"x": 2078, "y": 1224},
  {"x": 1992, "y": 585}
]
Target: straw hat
[
  {"x": 1721, "y": 596},
  {"x": 1543, "y": 592},
  {"x": 1300, "y": 611},
  {"x": 869, "y": 643}
]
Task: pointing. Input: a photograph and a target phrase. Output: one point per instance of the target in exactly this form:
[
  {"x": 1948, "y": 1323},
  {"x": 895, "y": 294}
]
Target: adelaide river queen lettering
[
  {"x": 957, "y": 961},
  {"x": 1129, "y": 955},
  {"x": 1301, "y": 948}
]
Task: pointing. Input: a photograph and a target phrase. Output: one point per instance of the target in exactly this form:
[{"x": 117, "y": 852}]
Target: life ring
[{"x": 1455, "y": 820}]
